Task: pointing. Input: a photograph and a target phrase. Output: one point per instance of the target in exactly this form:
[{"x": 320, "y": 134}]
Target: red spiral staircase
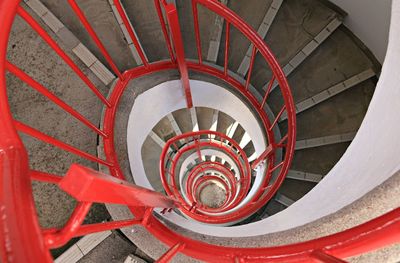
[{"x": 19, "y": 222}]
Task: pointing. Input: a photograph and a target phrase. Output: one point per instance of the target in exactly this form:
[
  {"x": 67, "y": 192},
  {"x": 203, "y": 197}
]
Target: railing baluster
[
  {"x": 164, "y": 29},
  {"x": 280, "y": 143},
  {"x": 197, "y": 30},
  {"x": 62, "y": 145},
  {"x": 132, "y": 34},
  {"x": 171, "y": 253},
  {"x": 277, "y": 167},
  {"x": 53, "y": 240},
  {"x": 46, "y": 37},
  {"x": 270, "y": 85},
  {"x": 98, "y": 227},
  {"x": 95, "y": 38},
  {"x": 198, "y": 150},
  {"x": 263, "y": 156},
  {"x": 146, "y": 216},
  {"x": 227, "y": 36},
  {"x": 45, "y": 92},
  {"x": 277, "y": 117},
  {"x": 45, "y": 177},
  {"x": 253, "y": 55},
  {"x": 324, "y": 257},
  {"x": 173, "y": 22}
]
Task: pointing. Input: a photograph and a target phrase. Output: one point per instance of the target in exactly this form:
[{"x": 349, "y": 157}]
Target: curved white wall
[
  {"x": 369, "y": 20},
  {"x": 371, "y": 159}
]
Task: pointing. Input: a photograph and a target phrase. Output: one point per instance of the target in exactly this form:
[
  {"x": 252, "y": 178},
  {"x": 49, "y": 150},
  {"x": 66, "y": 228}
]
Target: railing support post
[{"x": 175, "y": 29}]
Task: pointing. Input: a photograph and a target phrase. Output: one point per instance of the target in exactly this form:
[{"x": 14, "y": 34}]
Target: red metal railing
[
  {"x": 196, "y": 143},
  {"x": 18, "y": 220}
]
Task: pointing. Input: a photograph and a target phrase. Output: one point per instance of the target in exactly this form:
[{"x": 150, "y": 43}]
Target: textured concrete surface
[
  {"x": 101, "y": 18},
  {"x": 114, "y": 249},
  {"x": 212, "y": 196},
  {"x": 151, "y": 153},
  {"x": 183, "y": 119},
  {"x": 187, "y": 28},
  {"x": 146, "y": 22},
  {"x": 296, "y": 24},
  {"x": 204, "y": 117},
  {"x": 253, "y": 13},
  {"x": 164, "y": 129}
]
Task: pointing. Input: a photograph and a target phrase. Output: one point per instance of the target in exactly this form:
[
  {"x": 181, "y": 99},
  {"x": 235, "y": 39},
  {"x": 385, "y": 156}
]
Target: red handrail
[
  {"x": 198, "y": 141},
  {"x": 19, "y": 224}
]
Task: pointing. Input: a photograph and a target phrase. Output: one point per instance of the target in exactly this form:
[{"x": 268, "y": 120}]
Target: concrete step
[
  {"x": 71, "y": 43},
  {"x": 298, "y": 24},
  {"x": 102, "y": 19},
  {"x": 144, "y": 19},
  {"x": 253, "y": 12}
]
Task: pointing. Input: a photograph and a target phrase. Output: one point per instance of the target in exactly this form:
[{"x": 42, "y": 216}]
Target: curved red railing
[
  {"x": 195, "y": 143},
  {"x": 226, "y": 178},
  {"x": 18, "y": 219}
]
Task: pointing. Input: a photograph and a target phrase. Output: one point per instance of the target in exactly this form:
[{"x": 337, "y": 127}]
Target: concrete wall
[{"x": 369, "y": 20}]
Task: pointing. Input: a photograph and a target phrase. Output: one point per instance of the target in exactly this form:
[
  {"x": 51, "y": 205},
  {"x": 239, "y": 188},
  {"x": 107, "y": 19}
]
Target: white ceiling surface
[{"x": 369, "y": 20}]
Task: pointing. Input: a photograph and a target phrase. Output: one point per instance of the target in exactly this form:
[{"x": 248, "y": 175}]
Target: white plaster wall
[{"x": 369, "y": 20}]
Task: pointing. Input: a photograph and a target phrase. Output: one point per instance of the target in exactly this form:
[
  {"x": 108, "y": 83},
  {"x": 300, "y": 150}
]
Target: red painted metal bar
[
  {"x": 167, "y": 257},
  {"x": 45, "y": 92},
  {"x": 19, "y": 224},
  {"x": 46, "y": 37},
  {"x": 270, "y": 149},
  {"x": 268, "y": 91},
  {"x": 277, "y": 167},
  {"x": 131, "y": 33},
  {"x": 239, "y": 158},
  {"x": 98, "y": 227},
  {"x": 172, "y": 16},
  {"x": 192, "y": 191},
  {"x": 198, "y": 150},
  {"x": 211, "y": 166},
  {"x": 321, "y": 256},
  {"x": 147, "y": 216},
  {"x": 45, "y": 177},
  {"x": 92, "y": 184},
  {"x": 280, "y": 144},
  {"x": 200, "y": 184},
  {"x": 372, "y": 235},
  {"x": 227, "y": 38},
  {"x": 164, "y": 29},
  {"x": 61, "y": 237},
  {"x": 95, "y": 37},
  {"x": 277, "y": 117},
  {"x": 197, "y": 31},
  {"x": 43, "y": 137},
  {"x": 252, "y": 58}
]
